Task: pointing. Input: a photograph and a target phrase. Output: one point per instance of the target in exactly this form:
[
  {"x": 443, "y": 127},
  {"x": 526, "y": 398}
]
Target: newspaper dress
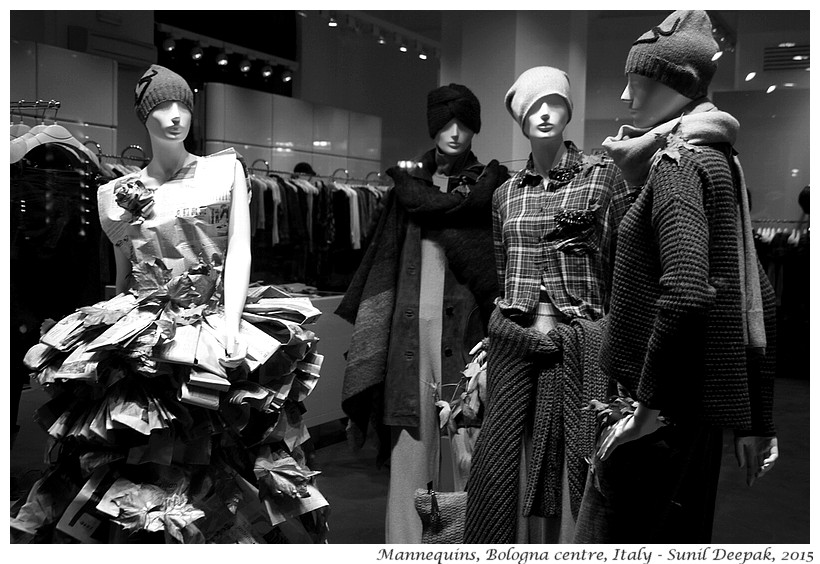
[{"x": 151, "y": 439}]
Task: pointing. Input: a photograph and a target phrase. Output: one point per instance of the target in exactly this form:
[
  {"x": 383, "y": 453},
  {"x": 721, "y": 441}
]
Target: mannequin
[
  {"x": 554, "y": 225},
  {"x": 691, "y": 342},
  {"x": 168, "y": 124},
  {"x": 420, "y": 300},
  {"x": 152, "y": 385}
]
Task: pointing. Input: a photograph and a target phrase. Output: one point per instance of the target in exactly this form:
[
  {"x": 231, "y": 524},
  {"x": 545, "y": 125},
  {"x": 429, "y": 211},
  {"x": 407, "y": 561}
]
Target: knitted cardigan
[
  {"x": 675, "y": 337},
  {"x": 550, "y": 377}
]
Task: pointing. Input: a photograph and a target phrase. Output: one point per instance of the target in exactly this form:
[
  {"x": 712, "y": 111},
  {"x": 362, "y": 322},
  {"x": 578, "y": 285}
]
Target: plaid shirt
[{"x": 559, "y": 234}]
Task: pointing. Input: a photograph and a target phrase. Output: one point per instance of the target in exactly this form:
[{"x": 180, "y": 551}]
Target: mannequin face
[
  {"x": 454, "y": 138},
  {"x": 650, "y": 102},
  {"x": 169, "y": 121},
  {"x": 547, "y": 118}
]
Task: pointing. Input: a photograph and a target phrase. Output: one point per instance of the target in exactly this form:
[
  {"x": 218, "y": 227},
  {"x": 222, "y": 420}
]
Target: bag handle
[{"x": 434, "y": 510}]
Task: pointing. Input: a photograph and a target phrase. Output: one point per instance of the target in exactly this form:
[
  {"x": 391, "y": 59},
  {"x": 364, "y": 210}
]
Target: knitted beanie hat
[
  {"x": 677, "y": 53},
  {"x": 452, "y": 101},
  {"x": 159, "y": 85},
  {"x": 531, "y": 86}
]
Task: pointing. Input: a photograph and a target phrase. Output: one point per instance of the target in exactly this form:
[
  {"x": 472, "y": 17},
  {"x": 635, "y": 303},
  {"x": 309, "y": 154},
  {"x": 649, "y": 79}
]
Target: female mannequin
[
  {"x": 168, "y": 123},
  {"x": 420, "y": 300},
  {"x": 692, "y": 312},
  {"x": 152, "y": 387},
  {"x": 554, "y": 225}
]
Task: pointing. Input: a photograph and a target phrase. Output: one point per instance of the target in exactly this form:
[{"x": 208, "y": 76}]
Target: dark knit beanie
[
  {"x": 159, "y": 85},
  {"x": 677, "y": 53},
  {"x": 452, "y": 101}
]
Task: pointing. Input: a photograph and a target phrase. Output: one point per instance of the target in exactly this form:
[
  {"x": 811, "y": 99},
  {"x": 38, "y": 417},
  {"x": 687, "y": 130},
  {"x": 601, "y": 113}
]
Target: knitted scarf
[
  {"x": 553, "y": 375},
  {"x": 636, "y": 150},
  {"x": 561, "y": 425}
]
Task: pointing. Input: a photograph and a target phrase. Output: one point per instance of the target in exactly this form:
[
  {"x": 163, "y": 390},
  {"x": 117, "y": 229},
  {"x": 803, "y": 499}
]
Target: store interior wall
[
  {"x": 342, "y": 68},
  {"x": 488, "y": 50}
]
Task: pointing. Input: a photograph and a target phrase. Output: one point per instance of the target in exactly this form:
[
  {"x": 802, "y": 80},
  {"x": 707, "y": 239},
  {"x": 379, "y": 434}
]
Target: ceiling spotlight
[
  {"x": 750, "y": 76},
  {"x": 332, "y": 22},
  {"x": 196, "y": 52},
  {"x": 771, "y": 89},
  {"x": 244, "y": 65},
  {"x": 799, "y": 58},
  {"x": 222, "y": 58},
  {"x": 403, "y": 48},
  {"x": 267, "y": 70},
  {"x": 423, "y": 56},
  {"x": 786, "y": 44},
  {"x": 302, "y": 14},
  {"x": 382, "y": 40},
  {"x": 169, "y": 44},
  {"x": 788, "y": 84},
  {"x": 717, "y": 55},
  {"x": 287, "y": 75}
]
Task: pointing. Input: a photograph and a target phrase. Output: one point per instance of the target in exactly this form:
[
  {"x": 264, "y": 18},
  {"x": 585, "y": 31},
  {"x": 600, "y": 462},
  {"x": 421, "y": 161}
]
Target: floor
[{"x": 775, "y": 510}]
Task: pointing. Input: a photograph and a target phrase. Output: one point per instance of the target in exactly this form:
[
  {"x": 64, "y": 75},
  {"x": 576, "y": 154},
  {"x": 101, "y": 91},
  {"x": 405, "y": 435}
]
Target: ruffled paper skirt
[{"x": 151, "y": 439}]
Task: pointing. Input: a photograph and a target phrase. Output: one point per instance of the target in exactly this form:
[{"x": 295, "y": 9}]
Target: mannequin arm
[
  {"x": 123, "y": 264},
  {"x": 237, "y": 267}
]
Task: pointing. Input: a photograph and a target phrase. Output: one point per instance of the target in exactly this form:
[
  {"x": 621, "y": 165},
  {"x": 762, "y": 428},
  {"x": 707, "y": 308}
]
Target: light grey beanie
[{"x": 531, "y": 86}]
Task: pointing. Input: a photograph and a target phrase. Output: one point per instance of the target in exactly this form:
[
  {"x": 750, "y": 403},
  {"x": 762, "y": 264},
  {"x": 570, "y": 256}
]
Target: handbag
[{"x": 442, "y": 515}]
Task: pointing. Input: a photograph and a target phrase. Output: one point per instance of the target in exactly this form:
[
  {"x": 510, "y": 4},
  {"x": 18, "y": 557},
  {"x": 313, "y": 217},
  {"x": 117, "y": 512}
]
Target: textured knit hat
[
  {"x": 677, "y": 53},
  {"x": 531, "y": 86},
  {"x": 159, "y": 85},
  {"x": 452, "y": 101}
]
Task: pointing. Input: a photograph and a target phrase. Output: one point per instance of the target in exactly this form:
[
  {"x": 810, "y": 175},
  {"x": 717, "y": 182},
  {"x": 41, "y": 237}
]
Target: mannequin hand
[
  {"x": 234, "y": 355},
  {"x": 479, "y": 352},
  {"x": 757, "y": 454},
  {"x": 632, "y": 427}
]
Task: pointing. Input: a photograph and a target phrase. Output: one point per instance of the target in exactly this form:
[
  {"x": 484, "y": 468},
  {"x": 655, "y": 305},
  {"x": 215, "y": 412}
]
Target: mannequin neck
[
  {"x": 451, "y": 164},
  {"x": 546, "y": 153},
  {"x": 167, "y": 160}
]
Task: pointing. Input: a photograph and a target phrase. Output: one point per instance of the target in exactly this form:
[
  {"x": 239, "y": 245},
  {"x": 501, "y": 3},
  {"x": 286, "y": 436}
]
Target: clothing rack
[
  {"x": 122, "y": 156},
  {"x": 789, "y": 221},
  {"x": 308, "y": 176},
  {"x": 44, "y": 105}
]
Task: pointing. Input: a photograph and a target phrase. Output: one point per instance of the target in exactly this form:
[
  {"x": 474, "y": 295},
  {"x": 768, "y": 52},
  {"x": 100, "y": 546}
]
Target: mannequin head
[
  {"x": 678, "y": 53},
  {"x": 651, "y": 102},
  {"x": 158, "y": 85},
  {"x": 169, "y": 122},
  {"x": 526, "y": 97},
  {"x": 454, "y": 138},
  {"x": 454, "y": 101},
  {"x": 547, "y": 118}
]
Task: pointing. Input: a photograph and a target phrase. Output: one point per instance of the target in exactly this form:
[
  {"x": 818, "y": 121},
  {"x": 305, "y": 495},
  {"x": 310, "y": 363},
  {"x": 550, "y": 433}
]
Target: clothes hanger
[
  {"x": 18, "y": 129},
  {"x": 54, "y": 133}
]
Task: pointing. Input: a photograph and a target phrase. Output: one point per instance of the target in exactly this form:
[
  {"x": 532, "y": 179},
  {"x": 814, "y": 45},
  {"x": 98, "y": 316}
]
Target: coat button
[
  {"x": 448, "y": 351},
  {"x": 408, "y": 355},
  {"x": 450, "y": 310},
  {"x": 408, "y": 313}
]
